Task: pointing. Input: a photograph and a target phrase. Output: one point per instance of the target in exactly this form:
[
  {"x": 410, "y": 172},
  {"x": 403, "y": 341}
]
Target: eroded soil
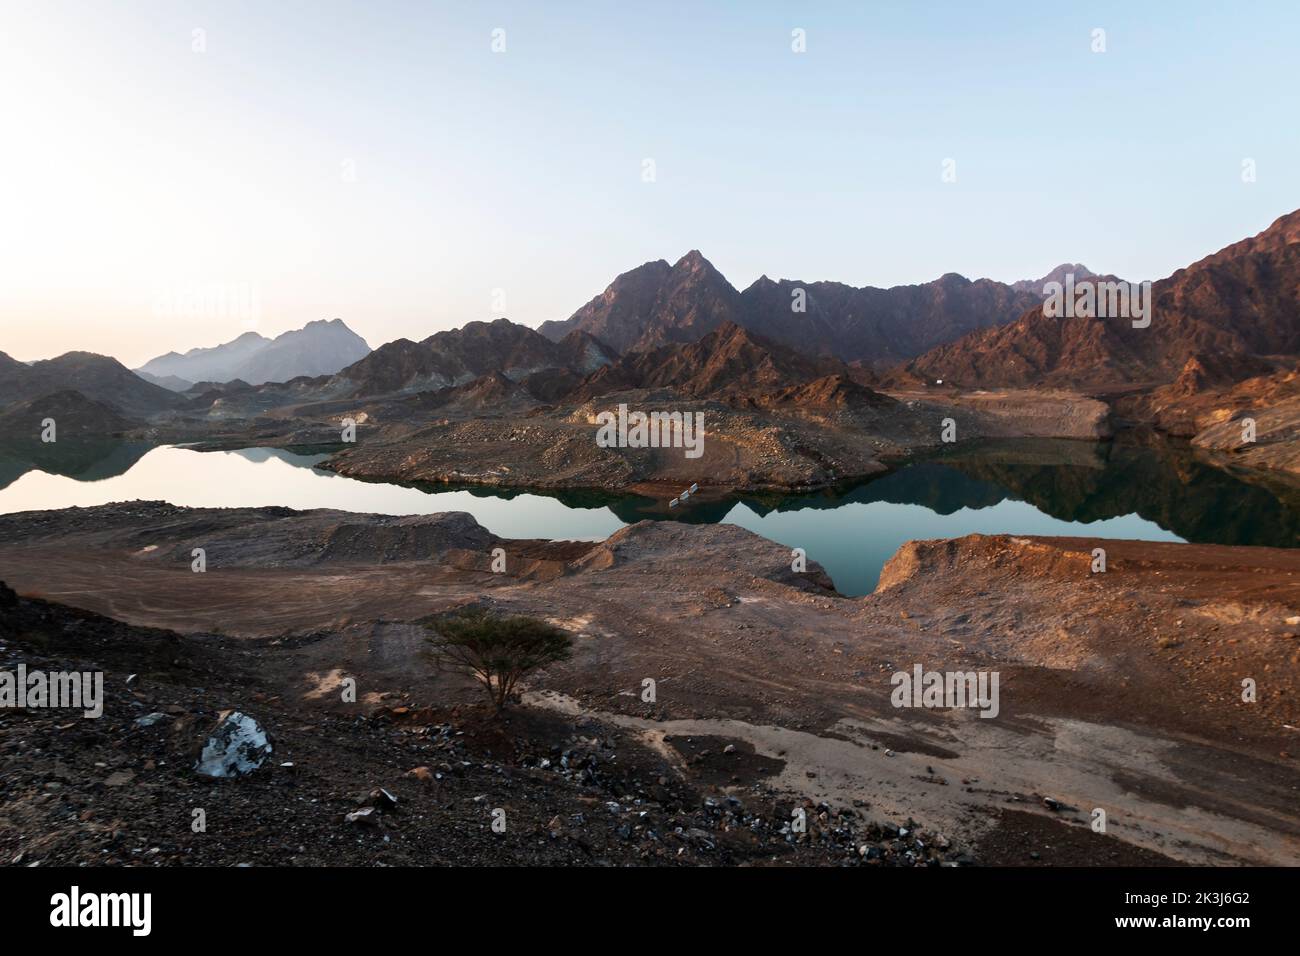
[{"x": 1119, "y": 691}]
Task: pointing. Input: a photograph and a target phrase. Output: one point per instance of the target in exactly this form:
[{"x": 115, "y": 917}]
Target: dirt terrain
[
  {"x": 795, "y": 447},
  {"x": 364, "y": 785},
  {"x": 1119, "y": 691}
]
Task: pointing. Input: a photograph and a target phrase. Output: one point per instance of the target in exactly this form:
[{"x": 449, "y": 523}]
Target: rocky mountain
[
  {"x": 1238, "y": 306},
  {"x": 461, "y": 355},
  {"x": 97, "y": 377},
  {"x": 1210, "y": 390},
  {"x": 729, "y": 360},
  {"x": 657, "y": 304},
  {"x": 318, "y": 348},
  {"x": 10, "y": 368},
  {"x": 76, "y": 417},
  {"x": 1076, "y": 269},
  {"x": 879, "y": 327},
  {"x": 827, "y": 394}
]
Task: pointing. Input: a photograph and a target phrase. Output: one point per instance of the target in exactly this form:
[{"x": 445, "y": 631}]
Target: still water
[{"x": 1149, "y": 489}]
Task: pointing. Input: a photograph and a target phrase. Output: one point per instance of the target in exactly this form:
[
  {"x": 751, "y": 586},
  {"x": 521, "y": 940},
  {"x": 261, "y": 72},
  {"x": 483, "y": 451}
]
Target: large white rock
[{"x": 237, "y": 746}]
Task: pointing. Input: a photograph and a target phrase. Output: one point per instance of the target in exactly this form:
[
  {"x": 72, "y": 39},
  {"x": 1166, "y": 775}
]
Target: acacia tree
[{"x": 496, "y": 650}]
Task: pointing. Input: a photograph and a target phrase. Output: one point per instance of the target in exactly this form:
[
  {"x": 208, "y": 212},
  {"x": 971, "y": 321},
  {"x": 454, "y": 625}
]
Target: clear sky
[{"x": 379, "y": 162}]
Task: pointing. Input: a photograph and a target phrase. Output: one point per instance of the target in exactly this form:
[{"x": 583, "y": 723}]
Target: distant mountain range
[
  {"x": 318, "y": 348},
  {"x": 657, "y": 304},
  {"x": 461, "y": 355},
  {"x": 1231, "y": 316}
]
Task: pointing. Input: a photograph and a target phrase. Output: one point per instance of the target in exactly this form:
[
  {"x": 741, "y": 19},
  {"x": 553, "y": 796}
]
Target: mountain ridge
[
  {"x": 321, "y": 347},
  {"x": 1242, "y": 301},
  {"x": 656, "y": 304}
]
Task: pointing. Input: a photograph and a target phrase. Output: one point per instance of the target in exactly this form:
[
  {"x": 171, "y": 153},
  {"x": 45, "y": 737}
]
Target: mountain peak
[
  {"x": 694, "y": 261},
  {"x": 1076, "y": 269}
]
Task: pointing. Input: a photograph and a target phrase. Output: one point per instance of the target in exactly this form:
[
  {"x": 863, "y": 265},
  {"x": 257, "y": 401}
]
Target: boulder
[{"x": 236, "y": 746}]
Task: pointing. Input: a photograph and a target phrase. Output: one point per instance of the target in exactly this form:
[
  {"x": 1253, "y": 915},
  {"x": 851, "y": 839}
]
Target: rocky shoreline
[{"x": 745, "y": 450}]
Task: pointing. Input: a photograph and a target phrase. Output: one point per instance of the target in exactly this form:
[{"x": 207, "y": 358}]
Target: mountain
[
  {"x": 219, "y": 363},
  {"x": 318, "y": 348},
  {"x": 169, "y": 382},
  {"x": 829, "y": 393},
  {"x": 10, "y": 366},
  {"x": 729, "y": 360},
  {"x": 879, "y": 327},
  {"x": 75, "y": 416},
  {"x": 1076, "y": 269},
  {"x": 657, "y": 304},
  {"x": 1238, "y": 305},
  {"x": 97, "y": 377},
  {"x": 462, "y": 355}
]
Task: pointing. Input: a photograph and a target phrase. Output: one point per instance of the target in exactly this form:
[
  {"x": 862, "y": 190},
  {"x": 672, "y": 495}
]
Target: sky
[{"x": 173, "y": 174}]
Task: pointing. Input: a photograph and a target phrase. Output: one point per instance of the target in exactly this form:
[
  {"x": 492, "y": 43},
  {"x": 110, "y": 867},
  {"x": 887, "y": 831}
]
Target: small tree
[{"x": 497, "y": 650}]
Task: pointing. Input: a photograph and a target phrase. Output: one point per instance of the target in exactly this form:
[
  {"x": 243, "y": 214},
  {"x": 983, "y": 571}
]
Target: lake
[{"x": 1144, "y": 488}]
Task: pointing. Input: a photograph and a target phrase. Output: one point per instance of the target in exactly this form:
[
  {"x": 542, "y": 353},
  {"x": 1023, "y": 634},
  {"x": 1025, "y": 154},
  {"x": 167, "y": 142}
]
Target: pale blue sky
[{"x": 134, "y": 166}]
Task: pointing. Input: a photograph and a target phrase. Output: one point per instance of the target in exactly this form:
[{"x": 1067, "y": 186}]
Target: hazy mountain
[
  {"x": 169, "y": 382},
  {"x": 218, "y": 363},
  {"x": 461, "y": 355},
  {"x": 97, "y": 377},
  {"x": 318, "y": 348},
  {"x": 1236, "y": 305},
  {"x": 656, "y": 304}
]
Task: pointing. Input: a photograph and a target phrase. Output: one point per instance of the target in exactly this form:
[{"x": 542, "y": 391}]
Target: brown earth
[
  {"x": 121, "y": 789},
  {"x": 786, "y": 444},
  {"x": 1120, "y": 690}
]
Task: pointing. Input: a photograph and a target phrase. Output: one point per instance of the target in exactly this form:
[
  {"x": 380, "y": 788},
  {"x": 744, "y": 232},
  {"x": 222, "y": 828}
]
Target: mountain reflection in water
[{"x": 1135, "y": 487}]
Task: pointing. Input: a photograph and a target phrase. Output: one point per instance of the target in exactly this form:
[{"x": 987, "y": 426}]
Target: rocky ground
[
  {"x": 390, "y": 785},
  {"x": 1119, "y": 691},
  {"x": 1218, "y": 418},
  {"x": 792, "y": 446}
]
